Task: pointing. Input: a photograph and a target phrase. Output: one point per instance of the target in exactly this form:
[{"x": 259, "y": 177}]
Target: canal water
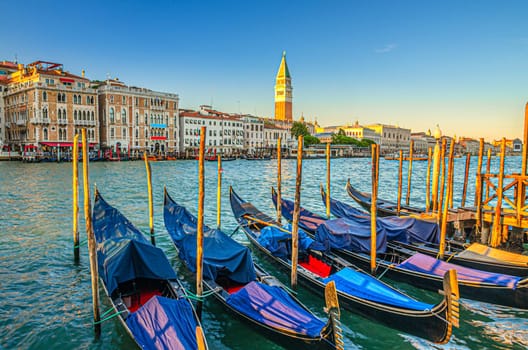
[{"x": 45, "y": 300}]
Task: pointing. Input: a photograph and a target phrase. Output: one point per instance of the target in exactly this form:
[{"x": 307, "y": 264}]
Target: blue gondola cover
[
  {"x": 123, "y": 252},
  {"x": 232, "y": 260},
  {"x": 278, "y": 242},
  {"x": 348, "y": 234},
  {"x": 272, "y": 306},
  {"x": 164, "y": 323},
  {"x": 401, "y": 229},
  {"x": 367, "y": 287}
]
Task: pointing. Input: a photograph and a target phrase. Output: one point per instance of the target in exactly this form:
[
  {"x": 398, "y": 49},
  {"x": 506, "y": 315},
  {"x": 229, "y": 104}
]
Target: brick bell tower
[{"x": 283, "y": 92}]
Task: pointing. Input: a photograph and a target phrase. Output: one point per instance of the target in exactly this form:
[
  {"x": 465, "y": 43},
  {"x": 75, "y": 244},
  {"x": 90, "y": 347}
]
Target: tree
[
  {"x": 311, "y": 140},
  {"x": 299, "y": 128}
]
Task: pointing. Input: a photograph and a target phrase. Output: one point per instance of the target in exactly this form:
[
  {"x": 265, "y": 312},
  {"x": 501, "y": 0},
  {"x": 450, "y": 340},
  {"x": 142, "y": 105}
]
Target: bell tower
[{"x": 283, "y": 92}]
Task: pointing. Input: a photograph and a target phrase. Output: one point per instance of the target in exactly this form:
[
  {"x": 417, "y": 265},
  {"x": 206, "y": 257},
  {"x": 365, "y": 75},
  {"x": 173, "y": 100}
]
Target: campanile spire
[{"x": 283, "y": 92}]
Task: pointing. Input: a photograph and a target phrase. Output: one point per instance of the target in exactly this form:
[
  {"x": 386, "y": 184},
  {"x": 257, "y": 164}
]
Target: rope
[
  {"x": 192, "y": 296},
  {"x": 81, "y": 243},
  {"x": 109, "y": 317},
  {"x": 384, "y": 272},
  {"x": 236, "y": 230}
]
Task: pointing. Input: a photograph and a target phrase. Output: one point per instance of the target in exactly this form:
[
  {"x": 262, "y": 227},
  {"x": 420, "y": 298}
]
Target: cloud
[{"x": 387, "y": 48}]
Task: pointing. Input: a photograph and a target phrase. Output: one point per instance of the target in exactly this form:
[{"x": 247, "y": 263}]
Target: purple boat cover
[
  {"x": 274, "y": 307},
  {"x": 164, "y": 323},
  {"x": 423, "y": 263}
]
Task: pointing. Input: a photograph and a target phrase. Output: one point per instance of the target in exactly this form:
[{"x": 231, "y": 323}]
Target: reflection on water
[{"x": 46, "y": 298}]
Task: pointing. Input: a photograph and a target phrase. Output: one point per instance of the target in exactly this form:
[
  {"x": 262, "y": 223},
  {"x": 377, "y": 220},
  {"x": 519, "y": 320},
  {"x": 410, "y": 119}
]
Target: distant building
[
  {"x": 324, "y": 137},
  {"x": 283, "y": 92},
  {"x": 392, "y": 138},
  {"x": 136, "y": 119},
  {"x": 360, "y": 132},
  {"x": 225, "y": 132},
  {"x": 422, "y": 142},
  {"x": 253, "y": 133},
  {"x": 46, "y": 106}
]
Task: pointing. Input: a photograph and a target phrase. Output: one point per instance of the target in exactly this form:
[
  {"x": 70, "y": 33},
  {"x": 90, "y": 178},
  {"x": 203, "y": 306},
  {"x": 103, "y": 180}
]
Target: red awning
[
  {"x": 158, "y": 138},
  {"x": 67, "y": 80},
  {"x": 63, "y": 144}
]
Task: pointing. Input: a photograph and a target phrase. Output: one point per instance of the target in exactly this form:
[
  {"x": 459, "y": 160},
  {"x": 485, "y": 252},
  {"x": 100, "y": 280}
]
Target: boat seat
[{"x": 316, "y": 266}]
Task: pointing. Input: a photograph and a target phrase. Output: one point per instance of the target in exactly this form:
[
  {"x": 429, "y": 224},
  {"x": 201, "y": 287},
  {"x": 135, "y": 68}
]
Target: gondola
[
  {"x": 245, "y": 289},
  {"x": 143, "y": 288},
  {"x": 357, "y": 291},
  {"x": 475, "y": 255},
  {"x": 351, "y": 240},
  {"x": 384, "y": 207}
]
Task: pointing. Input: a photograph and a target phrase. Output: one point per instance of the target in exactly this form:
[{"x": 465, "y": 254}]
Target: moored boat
[
  {"x": 357, "y": 291},
  {"x": 351, "y": 240},
  {"x": 245, "y": 289},
  {"x": 143, "y": 288},
  {"x": 474, "y": 255}
]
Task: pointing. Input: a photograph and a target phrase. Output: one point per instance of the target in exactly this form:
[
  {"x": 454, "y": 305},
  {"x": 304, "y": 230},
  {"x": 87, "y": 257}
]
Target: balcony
[
  {"x": 85, "y": 122},
  {"x": 62, "y": 121},
  {"x": 39, "y": 120}
]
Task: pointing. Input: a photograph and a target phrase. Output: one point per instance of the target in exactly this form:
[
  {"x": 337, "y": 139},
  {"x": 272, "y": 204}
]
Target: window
[
  {"x": 75, "y": 99},
  {"x": 84, "y": 115},
  {"x": 93, "y": 116},
  {"x": 123, "y": 116},
  {"x": 124, "y": 133},
  {"x": 137, "y": 116},
  {"x": 45, "y": 113},
  {"x": 112, "y": 116},
  {"x": 44, "y": 96},
  {"x": 124, "y": 100},
  {"x": 137, "y": 133},
  {"x": 112, "y": 133},
  {"x": 45, "y": 133},
  {"x": 74, "y": 115},
  {"x": 111, "y": 98}
]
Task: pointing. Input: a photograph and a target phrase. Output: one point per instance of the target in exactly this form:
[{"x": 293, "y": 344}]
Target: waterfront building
[
  {"x": 392, "y": 138},
  {"x": 135, "y": 120},
  {"x": 225, "y": 132},
  {"x": 253, "y": 133},
  {"x": 360, "y": 132},
  {"x": 272, "y": 132},
  {"x": 45, "y": 106},
  {"x": 6, "y": 68},
  {"x": 283, "y": 92},
  {"x": 423, "y": 141}
]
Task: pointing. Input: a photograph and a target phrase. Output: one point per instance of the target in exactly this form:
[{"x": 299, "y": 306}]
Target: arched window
[
  {"x": 45, "y": 133},
  {"x": 59, "y": 97},
  {"x": 45, "y": 113},
  {"x": 44, "y": 96},
  {"x": 146, "y": 133},
  {"x": 84, "y": 115},
  {"x": 93, "y": 116},
  {"x": 146, "y": 117},
  {"x": 124, "y": 133},
  {"x": 137, "y": 133},
  {"x": 79, "y": 99},
  {"x": 87, "y": 100},
  {"x": 137, "y": 118},
  {"x": 59, "y": 114},
  {"x": 112, "y": 114},
  {"x": 123, "y": 116},
  {"x": 64, "y": 114}
]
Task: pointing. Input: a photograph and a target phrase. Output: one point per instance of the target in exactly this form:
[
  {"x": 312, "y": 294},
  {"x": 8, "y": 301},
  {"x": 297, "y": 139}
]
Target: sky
[{"x": 459, "y": 64}]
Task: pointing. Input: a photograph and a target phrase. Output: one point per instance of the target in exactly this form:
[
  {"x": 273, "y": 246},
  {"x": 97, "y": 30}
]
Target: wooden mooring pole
[
  {"x": 436, "y": 175},
  {"x": 466, "y": 176},
  {"x": 75, "y": 192},
  {"x": 200, "y": 224},
  {"x": 296, "y": 213},
  {"x": 497, "y": 237},
  {"x": 449, "y": 193},
  {"x": 91, "y": 238},
  {"x": 428, "y": 182},
  {"x": 328, "y": 180},
  {"x": 219, "y": 194},
  {"x": 150, "y": 200},
  {"x": 400, "y": 180},
  {"x": 409, "y": 173},
  {"x": 279, "y": 181},
  {"x": 488, "y": 170},
  {"x": 478, "y": 187},
  {"x": 373, "y": 208}
]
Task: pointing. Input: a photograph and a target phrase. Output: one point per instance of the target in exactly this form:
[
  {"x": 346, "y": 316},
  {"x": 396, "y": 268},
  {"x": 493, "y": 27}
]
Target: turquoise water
[{"x": 46, "y": 297}]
